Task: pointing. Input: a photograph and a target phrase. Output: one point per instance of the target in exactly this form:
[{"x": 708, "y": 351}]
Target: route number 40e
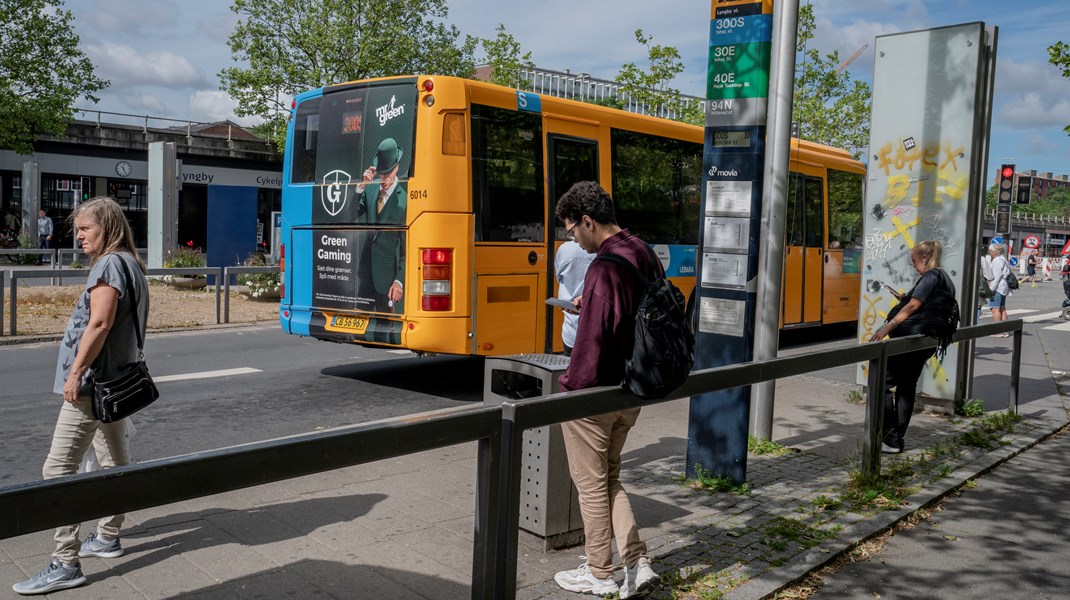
[{"x": 724, "y": 77}]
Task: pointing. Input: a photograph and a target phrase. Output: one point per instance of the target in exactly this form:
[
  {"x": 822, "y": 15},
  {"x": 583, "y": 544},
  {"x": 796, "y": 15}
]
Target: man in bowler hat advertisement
[{"x": 382, "y": 202}]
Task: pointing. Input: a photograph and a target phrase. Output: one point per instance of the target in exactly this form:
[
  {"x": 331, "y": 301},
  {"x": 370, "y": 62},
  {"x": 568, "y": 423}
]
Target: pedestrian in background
[
  {"x": 605, "y": 337},
  {"x": 101, "y": 337},
  {"x": 44, "y": 233},
  {"x": 1031, "y": 269},
  {"x": 1000, "y": 269},
  {"x": 929, "y": 308},
  {"x": 570, "y": 267}
]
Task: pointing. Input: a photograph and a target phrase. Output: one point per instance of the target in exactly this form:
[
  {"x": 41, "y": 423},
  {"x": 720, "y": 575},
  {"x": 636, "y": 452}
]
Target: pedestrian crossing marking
[{"x": 206, "y": 374}]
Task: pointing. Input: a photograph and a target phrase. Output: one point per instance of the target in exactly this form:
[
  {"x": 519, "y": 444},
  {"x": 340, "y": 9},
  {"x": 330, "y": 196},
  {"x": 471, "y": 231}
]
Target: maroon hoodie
[{"x": 611, "y": 294}]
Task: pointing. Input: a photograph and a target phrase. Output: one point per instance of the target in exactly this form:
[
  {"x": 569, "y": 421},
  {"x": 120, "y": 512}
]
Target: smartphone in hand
[{"x": 891, "y": 289}]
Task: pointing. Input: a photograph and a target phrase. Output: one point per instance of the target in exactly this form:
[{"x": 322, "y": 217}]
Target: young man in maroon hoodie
[{"x": 604, "y": 339}]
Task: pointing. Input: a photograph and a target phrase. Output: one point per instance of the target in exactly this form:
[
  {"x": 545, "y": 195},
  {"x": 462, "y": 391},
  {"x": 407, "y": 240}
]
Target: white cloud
[
  {"x": 1032, "y": 111},
  {"x": 127, "y": 67},
  {"x": 213, "y": 105},
  {"x": 1038, "y": 145},
  {"x": 145, "y": 103}
]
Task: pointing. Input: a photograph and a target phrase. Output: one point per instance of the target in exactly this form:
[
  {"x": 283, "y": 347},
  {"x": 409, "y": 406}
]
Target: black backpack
[
  {"x": 664, "y": 344},
  {"x": 1012, "y": 280}
]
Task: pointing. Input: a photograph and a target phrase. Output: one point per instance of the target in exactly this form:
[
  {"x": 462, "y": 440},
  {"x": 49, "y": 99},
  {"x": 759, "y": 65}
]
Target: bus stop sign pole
[{"x": 734, "y": 156}]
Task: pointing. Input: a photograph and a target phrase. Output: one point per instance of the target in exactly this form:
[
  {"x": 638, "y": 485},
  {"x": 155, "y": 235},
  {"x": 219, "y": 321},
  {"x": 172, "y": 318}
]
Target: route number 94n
[{"x": 417, "y": 194}]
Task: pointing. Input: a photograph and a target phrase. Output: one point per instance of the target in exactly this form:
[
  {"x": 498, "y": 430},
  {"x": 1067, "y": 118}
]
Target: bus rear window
[{"x": 337, "y": 136}]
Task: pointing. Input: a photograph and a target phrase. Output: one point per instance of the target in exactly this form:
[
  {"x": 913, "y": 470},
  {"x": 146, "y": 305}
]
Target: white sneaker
[
  {"x": 644, "y": 579},
  {"x": 583, "y": 581}
]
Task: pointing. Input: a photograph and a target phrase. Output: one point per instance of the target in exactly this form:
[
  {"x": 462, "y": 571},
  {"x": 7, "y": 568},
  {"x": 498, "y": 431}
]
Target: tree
[
  {"x": 296, "y": 45},
  {"x": 42, "y": 72},
  {"x": 506, "y": 58},
  {"x": 650, "y": 87},
  {"x": 829, "y": 107},
  {"x": 1059, "y": 56}
]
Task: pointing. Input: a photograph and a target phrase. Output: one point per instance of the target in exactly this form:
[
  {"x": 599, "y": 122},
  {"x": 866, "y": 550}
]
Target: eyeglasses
[{"x": 570, "y": 235}]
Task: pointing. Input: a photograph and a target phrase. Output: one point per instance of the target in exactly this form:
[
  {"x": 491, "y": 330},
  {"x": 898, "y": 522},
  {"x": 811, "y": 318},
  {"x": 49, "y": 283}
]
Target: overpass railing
[{"x": 497, "y": 429}]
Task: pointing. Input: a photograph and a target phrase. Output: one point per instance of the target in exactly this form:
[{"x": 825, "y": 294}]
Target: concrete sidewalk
[{"x": 403, "y": 528}]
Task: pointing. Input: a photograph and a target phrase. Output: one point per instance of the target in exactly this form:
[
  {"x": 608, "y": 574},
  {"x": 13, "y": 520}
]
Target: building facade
[{"x": 98, "y": 158}]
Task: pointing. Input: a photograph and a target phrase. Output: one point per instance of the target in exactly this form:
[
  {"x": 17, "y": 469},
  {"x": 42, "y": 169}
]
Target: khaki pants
[
  {"x": 76, "y": 429},
  {"x": 594, "y": 445}
]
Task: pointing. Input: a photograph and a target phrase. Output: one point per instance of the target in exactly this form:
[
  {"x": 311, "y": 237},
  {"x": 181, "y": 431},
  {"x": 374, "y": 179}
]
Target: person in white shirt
[
  {"x": 570, "y": 267},
  {"x": 997, "y": 282}
]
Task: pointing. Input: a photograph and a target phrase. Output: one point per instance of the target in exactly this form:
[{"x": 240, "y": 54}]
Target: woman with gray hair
[
  {"x": 101, "y": 337},
  {"x": 998, "y": 283}
]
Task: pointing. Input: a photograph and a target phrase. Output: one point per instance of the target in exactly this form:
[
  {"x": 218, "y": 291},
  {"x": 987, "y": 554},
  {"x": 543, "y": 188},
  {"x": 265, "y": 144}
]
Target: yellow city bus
[{"x": 417, "y": 212}]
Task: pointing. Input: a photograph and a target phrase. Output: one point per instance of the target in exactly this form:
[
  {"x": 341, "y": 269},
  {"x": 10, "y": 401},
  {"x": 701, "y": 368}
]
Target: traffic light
[
  {"x": 1025, "y": 186},
  {"x": 1006, "y": 180},
  {"x": 1003, "y": 219}
]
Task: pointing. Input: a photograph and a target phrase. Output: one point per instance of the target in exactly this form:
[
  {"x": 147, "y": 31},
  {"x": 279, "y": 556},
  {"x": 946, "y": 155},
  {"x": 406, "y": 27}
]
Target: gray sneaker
[
  {"x": 56, "y": 576},
  {"x": 639, "y": 579},
  {"x": 94, "y": 545}
]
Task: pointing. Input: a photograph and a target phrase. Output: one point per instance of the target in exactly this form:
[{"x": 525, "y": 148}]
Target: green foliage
[
  {"x": 650, "y": 86},
  {"x": 969, "y": 408},
  {"x": 1059, "y": 56},
  {"x": 27, "y": 243},
  {"x": 506, "y": 58},
  {"x": 758, "y": 447},
  {"x": 184, "y": 257},
  {"x": 855, "y": 396},
  {"x": 782, "y": 530},
  {"x": 42, "y": 72},
  {"x": 294, "y": 45},
  {"x": 829, "y": 106},
  {"x": 706, "y": 481}
]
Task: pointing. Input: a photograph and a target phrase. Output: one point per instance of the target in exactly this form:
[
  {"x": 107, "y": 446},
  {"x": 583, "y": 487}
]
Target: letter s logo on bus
[{"x": 335, "y": 191}]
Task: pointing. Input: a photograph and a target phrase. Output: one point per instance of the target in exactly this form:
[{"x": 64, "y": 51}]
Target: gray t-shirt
[{"x": 120, "y": 347}]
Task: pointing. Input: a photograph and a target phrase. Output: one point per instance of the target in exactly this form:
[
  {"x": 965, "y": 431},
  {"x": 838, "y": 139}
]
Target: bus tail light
[
  {"x": 282, "y": 270},
  {"x": 437, "y": 271}
]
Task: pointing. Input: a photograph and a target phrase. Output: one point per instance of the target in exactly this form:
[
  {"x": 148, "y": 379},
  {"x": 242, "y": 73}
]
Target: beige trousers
[
  {"x": 76, "y": 429},
  {"x": 594, "y": 445}
]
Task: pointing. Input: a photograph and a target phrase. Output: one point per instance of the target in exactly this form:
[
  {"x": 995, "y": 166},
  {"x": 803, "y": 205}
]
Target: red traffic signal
[{"x": 1006, "y": 179}]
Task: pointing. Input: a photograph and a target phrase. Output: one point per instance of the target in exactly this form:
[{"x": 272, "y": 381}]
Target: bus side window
[
  {"x": 507, "y": 175},
  {"x": 845, "y": 208},
  {"x": 306, "y": 136},
  {"x": 657, "y": 187}
]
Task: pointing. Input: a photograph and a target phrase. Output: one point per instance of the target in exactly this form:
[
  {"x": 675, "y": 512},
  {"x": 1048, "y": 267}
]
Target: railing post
[
  {"x": 871, "y": 449},
  {"x": 1016, "y": 365},
  {"x": 218, "y": 278},
  {"x": 14, "y": 301},
  {"x": 508, "y": 493},
  {"x": 226, "y": 294},
  {"x": 2, "y": 275},
  {"x": 486, "y": 570}
]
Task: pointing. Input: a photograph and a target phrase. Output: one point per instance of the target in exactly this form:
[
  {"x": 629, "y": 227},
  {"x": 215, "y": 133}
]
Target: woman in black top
[{"x": 929, "y": 308}]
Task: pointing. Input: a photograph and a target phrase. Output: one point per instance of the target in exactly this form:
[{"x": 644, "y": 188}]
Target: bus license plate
[{"x": 355, "y": 324}]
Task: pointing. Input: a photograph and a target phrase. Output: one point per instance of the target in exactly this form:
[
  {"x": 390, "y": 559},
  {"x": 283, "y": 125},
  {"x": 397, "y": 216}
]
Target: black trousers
[{"x": 903, "y": 373}]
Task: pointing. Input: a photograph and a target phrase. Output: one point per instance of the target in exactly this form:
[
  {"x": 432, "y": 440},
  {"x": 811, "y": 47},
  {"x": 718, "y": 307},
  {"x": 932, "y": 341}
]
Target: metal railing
[
  {"x": 61, "y": 273},
  {"x": 228, "y": 271},
  {"x": 498, "y": 429}
]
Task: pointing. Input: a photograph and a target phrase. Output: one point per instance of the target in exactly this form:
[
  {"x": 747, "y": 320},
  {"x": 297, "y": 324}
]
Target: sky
[{"x": 163, "y": 57}]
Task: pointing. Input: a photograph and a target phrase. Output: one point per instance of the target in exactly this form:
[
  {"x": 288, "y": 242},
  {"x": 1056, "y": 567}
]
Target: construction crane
[{"x": 844, "y": 64}]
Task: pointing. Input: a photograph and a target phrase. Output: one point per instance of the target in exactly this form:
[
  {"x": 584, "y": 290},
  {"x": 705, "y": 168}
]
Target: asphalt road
[{"x": 289, "y": 385}]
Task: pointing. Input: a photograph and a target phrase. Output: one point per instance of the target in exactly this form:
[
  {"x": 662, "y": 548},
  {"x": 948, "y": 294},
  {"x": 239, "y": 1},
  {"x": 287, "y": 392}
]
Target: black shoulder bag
[{"x": 133, "y": 389}]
